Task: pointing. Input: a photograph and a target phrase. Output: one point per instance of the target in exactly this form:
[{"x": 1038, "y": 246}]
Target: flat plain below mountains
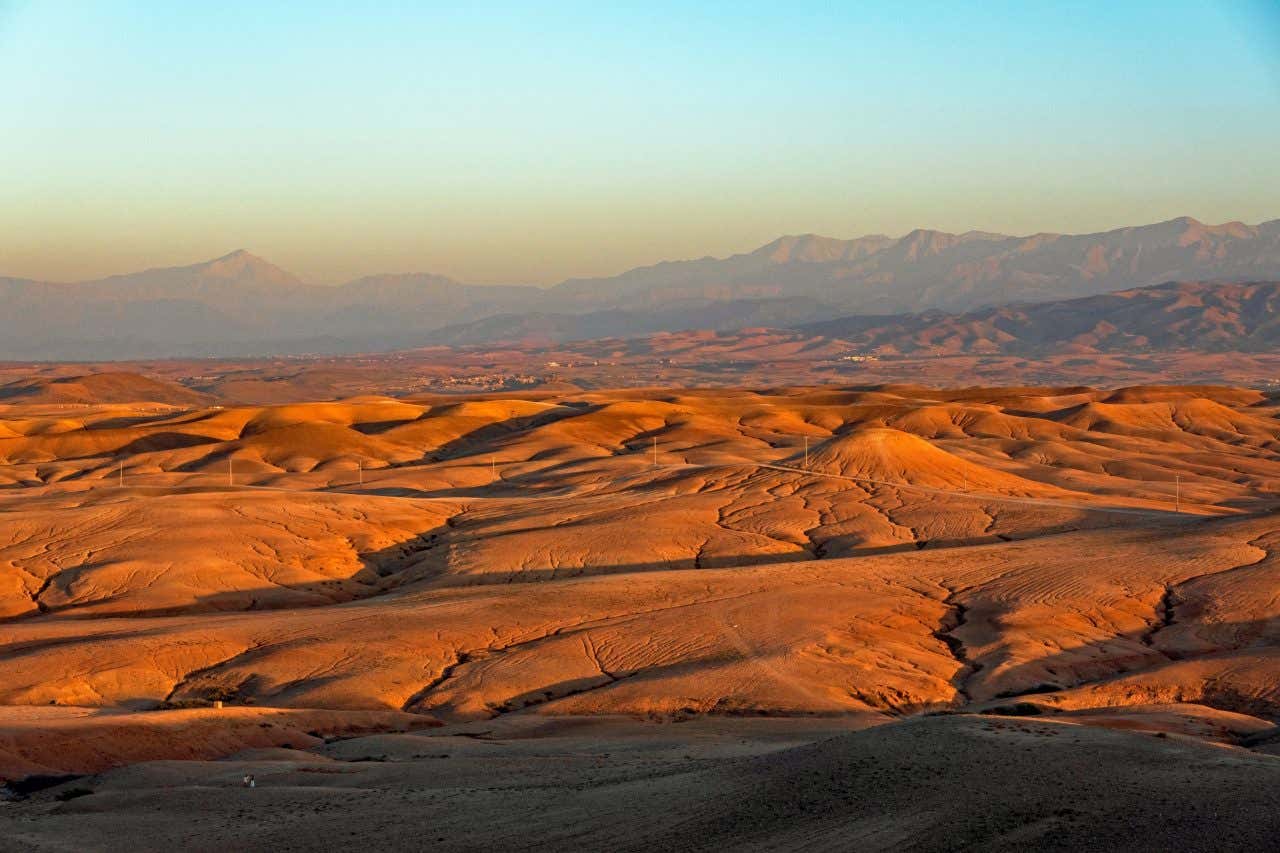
[{"x": 885, "y": 617}]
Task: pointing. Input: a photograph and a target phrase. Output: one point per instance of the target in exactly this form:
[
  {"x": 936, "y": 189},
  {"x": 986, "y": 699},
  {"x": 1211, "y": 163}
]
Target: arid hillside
[
  {"x": 1197, "y": 316},
  {"x": 224, "y": 523},
  {"x": 1099, "y": 559},
  {"x": 97, "y": 388}
]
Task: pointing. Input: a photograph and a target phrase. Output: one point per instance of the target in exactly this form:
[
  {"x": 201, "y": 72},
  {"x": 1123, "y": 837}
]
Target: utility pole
[
  {"x": 360, "y": 471},
  {"x": 655, "y": 451},
  {"x": 230, "y": 480}
]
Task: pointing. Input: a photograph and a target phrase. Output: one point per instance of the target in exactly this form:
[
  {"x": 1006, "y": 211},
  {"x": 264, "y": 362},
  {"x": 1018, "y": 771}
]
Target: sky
[{"x": 531, "y": 142}]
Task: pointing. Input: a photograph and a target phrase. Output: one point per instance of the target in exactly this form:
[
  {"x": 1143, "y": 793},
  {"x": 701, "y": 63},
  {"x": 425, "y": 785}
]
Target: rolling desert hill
[
  {"x": 97, "y": 388},
  {"x": 240, "y": 304},
  {"x": 773, "y": 612},
  {"x": 206, "y": 522}
]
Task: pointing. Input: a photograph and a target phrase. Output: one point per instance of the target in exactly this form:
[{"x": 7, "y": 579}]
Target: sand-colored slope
[
  {"x": 150, "y": 551},
  {"x": 882, "y": 633},
  {"x": 893, "y": 456},
  {"x": 658, "y": 554},
  {"x": 98, "y": 388},
  {"x": 759, "y": 641},
  {"x": 1097, "y": 608}
]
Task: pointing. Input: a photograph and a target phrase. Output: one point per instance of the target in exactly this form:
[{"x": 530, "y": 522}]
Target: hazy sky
[{"x": 531, "y": 142}]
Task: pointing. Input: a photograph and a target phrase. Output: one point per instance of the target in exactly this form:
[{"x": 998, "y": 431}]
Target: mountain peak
[
  {"x": 1169, "y": 227},
  {"x": 790, "y": 247},
  {"x": 1187, "y": 231},
  {"x": 243, "y": 265},
  {"x": 815, "y": 248}
]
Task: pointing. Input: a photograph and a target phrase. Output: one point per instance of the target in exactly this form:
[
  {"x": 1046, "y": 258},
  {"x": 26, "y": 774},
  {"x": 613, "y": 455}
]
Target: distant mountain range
[{"x": 242, "y": 305}]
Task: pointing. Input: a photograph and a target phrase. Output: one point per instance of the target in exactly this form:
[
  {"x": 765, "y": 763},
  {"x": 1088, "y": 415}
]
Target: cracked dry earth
[{"x": 664, "y": 579}]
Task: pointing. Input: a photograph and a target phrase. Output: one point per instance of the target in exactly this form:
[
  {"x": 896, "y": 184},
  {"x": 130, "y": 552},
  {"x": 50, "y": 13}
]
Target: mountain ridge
[
  {"x": 242, "y": 304},
  {"x": 784, "y": 243},
  {"x": 1208, "y": 316}
]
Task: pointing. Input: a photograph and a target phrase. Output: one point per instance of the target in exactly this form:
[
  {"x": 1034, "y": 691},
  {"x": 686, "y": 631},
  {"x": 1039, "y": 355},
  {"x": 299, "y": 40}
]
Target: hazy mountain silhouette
[
  {"x": 240, "y": 304},
  {"x": 953, "y": 272}
]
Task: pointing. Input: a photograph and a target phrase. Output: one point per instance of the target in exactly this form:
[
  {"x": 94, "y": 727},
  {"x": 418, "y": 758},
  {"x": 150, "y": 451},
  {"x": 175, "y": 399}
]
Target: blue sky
[{"x": 529, "y": 142}]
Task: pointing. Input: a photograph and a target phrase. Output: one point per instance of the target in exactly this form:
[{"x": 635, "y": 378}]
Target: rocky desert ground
[{"x": 874, "y": 617}]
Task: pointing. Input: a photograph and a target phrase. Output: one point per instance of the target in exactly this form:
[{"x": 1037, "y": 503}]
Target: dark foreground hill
[{"x": 926, "y": 784}]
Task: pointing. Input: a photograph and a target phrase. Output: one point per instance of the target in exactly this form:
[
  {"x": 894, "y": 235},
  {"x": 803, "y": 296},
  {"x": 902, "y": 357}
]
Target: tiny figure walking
[{"x": 249, "y": 781}]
